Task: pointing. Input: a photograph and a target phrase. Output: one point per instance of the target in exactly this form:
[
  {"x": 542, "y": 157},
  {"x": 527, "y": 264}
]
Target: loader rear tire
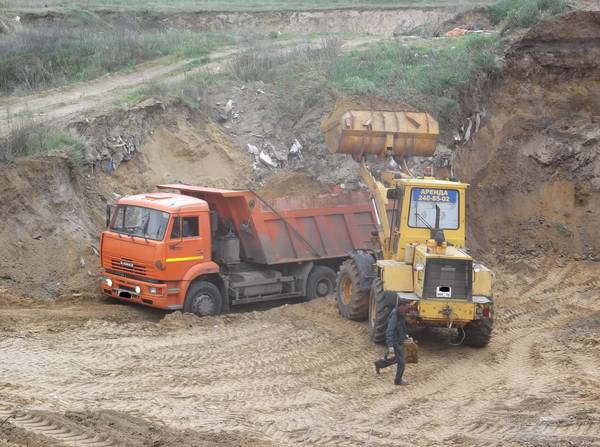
[
  {"x": 478, "y": 333},
  {"x": 321, "y": 282},
  {"x": 380, "y": 307},
  {"x": 352, "y": 302},
  {"x": 203, "y": 298}
]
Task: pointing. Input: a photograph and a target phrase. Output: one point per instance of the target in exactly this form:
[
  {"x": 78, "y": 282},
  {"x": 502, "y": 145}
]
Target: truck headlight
[
  {"x": 108, "y": 282},
  {"x": 476, "y": 268},
  {"x": 138, "y": 289},
  {"x": 419, "y": 267},
  {"x": 153, "y": 290}
]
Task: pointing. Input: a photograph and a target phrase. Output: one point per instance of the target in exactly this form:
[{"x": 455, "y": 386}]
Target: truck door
[{"x": 188, "y": 245}]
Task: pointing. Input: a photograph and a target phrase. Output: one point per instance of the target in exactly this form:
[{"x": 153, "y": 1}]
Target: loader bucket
[{"x": 380, "y": 132}]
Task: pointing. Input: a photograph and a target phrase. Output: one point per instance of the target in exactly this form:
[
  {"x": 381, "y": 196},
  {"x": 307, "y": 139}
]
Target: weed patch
[
  {"x": 524, "y": 13},
  {"x": 51, "y": 55},
  {"x": 27, "y": 137},
  {"x": 425, "y": 75},
  {"x": 267, "y": 64}
]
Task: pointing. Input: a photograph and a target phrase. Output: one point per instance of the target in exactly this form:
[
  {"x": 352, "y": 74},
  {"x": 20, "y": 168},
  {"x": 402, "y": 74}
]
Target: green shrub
[
  {"x": 524, "y": 13},
  {"x": 424, "y": 75},
  {"x": 27, "y": 137}
]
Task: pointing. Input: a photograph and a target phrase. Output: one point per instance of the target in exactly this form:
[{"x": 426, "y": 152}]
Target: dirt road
[
  {"x": 70, "y": 101},
  {"x": 100, "y": 374}
]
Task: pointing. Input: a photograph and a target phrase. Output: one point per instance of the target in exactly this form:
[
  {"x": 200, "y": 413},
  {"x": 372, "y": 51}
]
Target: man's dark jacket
[{"x": 396, "y": 329}]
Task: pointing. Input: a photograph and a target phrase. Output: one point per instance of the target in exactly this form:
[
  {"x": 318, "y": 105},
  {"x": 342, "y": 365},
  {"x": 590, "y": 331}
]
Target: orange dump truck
[{"x": 203, "y": 250}]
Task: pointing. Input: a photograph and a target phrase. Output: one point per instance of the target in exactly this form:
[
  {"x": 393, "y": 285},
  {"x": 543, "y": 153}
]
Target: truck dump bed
[{"x": 283, "y": 230}]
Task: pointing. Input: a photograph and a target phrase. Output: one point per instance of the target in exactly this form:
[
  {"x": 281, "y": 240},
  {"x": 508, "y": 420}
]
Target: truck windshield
[
  {"x": 140, "y": 221},
  {"x": 423, "y": 203}
]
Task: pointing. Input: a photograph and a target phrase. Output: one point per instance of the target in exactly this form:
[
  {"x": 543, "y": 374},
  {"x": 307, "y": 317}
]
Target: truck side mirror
[{"x": 109, "y": 209}]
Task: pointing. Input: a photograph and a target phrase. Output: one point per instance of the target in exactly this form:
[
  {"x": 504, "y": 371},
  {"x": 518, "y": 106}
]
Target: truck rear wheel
[
  {"x": 478, "y": 333},
  {"x": 321, "y": 282},
  {"x": 203, "y": 298},
  {"x": 352, "y": 302},
  {"x": 380, "y": 308}
]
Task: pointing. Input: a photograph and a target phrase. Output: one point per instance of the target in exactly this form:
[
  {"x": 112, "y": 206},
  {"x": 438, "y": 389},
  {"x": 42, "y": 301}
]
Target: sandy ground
[{"x": 99, "y": 374}]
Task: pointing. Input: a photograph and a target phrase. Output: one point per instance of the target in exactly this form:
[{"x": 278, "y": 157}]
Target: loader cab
[{"x": 431, "y": 208}]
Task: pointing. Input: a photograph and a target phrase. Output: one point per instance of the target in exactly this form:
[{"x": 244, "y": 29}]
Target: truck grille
[
  {"x": 128, "y": 266},
  {"x": 447, "y": 278}
]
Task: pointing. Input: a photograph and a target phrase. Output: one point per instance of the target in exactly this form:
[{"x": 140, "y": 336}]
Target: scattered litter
[
  {"x": 295, "y": 150},
  {"x": 260, "y": 92},
  {"x": 253, "y": 149},
  {"x": 456, "y": 32},
  {"x": 267, "y": 160},
  {"x": 228, "y": 107},
  {"x": 81, "y": 262},
  {"x": 469, "y": 129}
]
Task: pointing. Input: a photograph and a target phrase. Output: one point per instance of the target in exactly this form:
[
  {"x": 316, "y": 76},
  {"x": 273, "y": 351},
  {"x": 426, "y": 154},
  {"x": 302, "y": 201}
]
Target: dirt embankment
[
  {"x": 54, "y": 213},
  {"x": 378, "y": 21},
  {"x": 535, "y": 164}
]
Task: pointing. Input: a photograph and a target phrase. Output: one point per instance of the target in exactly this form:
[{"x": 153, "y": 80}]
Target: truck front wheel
[
  {"x": 321, "y": 282},
  {"x": 203, "y": 298},
  {"x": 352, "y": 302},
  {"x": 478, "y": 333}
]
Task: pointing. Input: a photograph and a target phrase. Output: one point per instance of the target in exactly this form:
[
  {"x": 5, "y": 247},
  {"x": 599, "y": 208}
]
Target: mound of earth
[
  {"x": 291, "y": 184},
  {"x": 535, "y": 163}
]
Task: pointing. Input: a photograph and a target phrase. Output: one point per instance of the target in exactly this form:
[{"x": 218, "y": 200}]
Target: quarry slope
[{"x": 534, "y": 166}]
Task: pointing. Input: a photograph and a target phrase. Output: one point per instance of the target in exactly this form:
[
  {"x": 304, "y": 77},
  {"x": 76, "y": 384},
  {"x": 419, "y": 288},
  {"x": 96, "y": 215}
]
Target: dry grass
[
  {"x": 266, "y": 64},
  {"x": 27, "y": 137},
  {"x": 39, "y": 57}
]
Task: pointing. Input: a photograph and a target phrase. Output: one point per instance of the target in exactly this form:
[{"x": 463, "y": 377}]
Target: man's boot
[{"x": 400, "y": 382}]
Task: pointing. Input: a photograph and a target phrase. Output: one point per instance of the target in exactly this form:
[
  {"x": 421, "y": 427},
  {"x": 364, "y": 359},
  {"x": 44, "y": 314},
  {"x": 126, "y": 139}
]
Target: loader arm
[{"x": 379, "y": 200}]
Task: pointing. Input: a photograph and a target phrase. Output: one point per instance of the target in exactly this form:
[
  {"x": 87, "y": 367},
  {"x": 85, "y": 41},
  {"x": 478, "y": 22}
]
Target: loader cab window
[
  {"x": 424, "y": 206},
  {"x": 185, "y": 227}
]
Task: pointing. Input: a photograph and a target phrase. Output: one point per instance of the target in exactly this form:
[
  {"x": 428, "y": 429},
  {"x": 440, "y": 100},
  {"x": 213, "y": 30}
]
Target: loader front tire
[
  {"x": 380, "y": 308},
  {"x": 478, "y": 333},
  {"x": 352, "y": 301}
]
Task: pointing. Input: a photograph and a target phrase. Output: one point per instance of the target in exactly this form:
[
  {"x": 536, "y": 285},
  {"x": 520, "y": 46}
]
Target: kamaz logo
[{"x": 127, "y": 264}]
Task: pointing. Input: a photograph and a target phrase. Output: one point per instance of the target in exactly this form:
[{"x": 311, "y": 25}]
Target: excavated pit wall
[
  {"x": 534, "y": 166},
  {"x": 380, "y": 22}
]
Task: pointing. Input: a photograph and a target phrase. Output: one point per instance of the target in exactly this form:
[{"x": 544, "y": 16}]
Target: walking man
[{"x": 394, "y": 338}]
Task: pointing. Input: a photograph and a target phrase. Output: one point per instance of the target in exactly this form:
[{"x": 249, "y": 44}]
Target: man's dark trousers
[{"x": 398, "y": 360}]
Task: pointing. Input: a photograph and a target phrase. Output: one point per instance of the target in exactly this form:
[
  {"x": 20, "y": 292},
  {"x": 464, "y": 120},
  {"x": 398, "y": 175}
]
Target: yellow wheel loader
[{"x": 420, "y": 256}]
